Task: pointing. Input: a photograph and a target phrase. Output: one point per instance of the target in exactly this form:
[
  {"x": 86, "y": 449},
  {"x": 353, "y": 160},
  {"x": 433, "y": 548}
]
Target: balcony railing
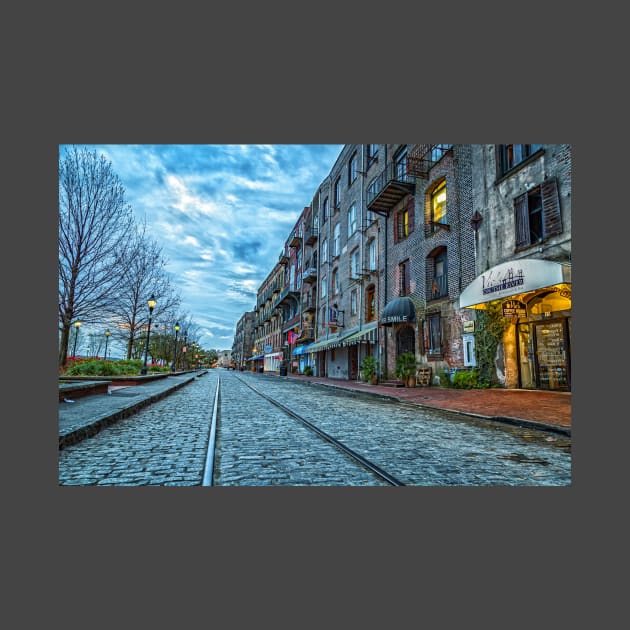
[
  {"x": 295, "y": 239},
  {"x": 389, "y": 188},
  {"x": 283, "y": 259},
  {"x": 311, "y": 232},
  {"x": 309, "y": 275}
]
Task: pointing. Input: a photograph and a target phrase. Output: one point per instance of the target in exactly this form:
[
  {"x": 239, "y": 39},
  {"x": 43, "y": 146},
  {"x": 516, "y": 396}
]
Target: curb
[{"x": 107, "y": 419}]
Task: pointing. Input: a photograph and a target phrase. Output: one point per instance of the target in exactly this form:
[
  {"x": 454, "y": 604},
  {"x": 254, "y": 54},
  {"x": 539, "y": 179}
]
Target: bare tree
[
  {"x": 143, "y": 277},
  {"x": 96, "y": 229}
]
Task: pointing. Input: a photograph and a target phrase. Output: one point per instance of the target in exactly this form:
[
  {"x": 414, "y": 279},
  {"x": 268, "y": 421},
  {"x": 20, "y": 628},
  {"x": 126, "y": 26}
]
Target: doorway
[
  {"x": 406, "y": 340},
  {"x": 353, "y": 362}
]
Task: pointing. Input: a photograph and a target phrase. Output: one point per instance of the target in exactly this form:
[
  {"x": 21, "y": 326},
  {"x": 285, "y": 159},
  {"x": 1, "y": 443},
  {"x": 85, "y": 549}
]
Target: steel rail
[
  {"x": 379, "y": 472},
  {"x": 209, "y": 467}
]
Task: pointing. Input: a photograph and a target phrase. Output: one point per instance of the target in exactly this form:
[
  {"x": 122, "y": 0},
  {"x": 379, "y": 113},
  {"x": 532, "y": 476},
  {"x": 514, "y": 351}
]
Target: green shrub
[
  {"x": 445, "y": 379},
  {"x": 467, "y": 379},
  {"x": 308, "y": 371}
]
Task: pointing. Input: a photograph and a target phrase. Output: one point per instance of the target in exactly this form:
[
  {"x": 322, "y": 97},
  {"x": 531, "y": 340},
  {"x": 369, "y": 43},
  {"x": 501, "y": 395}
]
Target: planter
[{"x": 374, "y": 379}]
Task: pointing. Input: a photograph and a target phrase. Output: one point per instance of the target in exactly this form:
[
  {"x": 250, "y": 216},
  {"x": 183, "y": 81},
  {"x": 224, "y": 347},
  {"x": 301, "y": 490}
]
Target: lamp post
[
  {"x": 175, "y": 351},
  {"x": 151, "y": 304},
  {"x": 107, "y": 334},
  {"x": 77, "y": 325}
]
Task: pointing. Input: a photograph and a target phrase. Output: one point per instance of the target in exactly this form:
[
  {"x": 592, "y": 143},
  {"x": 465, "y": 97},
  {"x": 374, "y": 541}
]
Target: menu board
[{"x": 551, "y": 355}]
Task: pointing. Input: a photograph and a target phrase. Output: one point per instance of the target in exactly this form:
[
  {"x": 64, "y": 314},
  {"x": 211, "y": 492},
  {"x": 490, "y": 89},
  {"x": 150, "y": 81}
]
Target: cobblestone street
[{"x": 258, "y": 444}]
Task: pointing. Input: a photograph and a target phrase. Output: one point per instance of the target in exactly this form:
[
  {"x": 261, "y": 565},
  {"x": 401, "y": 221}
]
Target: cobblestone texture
[
  {"x": 166, "y": 442},
  {"x": 163, "y": 444},
  {"x": 422, "y": 447}
]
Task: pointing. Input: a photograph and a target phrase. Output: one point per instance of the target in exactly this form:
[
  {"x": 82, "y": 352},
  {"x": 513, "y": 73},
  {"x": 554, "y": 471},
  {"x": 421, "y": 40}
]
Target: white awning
[{"x": 513, "y": 278}]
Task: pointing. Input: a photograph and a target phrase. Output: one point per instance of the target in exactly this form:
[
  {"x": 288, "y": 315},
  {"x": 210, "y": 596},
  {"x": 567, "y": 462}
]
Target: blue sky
[{"x": 221, "y": 214}]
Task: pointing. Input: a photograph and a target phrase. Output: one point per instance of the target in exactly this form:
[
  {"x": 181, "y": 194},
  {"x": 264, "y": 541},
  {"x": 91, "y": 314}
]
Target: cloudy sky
[{"x": 221, "y": 214}]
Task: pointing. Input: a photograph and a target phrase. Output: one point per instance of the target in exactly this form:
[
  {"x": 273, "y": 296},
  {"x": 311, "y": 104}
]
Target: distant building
[{"x": 244, "y": 339}]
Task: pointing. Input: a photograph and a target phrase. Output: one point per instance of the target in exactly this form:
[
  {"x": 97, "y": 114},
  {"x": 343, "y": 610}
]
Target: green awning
[{"x": 367, "y": 333}]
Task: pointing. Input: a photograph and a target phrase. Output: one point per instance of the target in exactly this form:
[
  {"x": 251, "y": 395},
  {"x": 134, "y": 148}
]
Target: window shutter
[
  {"x": 551, "y": 208},
  {"x": 396, "y": 227},
  {"x": 521, "y": 221},
  {"x": 411, "y": 212}
]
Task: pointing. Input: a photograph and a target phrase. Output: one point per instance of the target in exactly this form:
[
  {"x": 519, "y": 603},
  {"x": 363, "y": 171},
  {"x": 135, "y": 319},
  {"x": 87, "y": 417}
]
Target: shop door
[
  {"x": 553, "y": 370},
  {"x": 406, "y": 341}
]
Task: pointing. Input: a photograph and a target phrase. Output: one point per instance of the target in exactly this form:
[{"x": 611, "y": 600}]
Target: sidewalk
[
  {"x": 546, "y": 410},
  {"x": 86, "y": 416}
]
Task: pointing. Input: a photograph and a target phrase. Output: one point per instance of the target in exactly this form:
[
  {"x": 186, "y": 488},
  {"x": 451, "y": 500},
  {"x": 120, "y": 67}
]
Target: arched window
[{"x": 437, "y": 274}]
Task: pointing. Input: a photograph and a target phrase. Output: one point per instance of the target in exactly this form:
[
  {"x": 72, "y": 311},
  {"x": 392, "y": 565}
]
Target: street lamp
[
  {"x": 175, "y": 351},
  {"x": 151, "y": 304},
  {"x": 107, "y": 334},
  {"x": 77, "y": 325}
]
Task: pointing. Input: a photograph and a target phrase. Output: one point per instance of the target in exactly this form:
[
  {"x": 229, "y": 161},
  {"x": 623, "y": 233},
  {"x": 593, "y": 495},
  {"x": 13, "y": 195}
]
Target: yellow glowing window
[{"x": 438, "y": 204}]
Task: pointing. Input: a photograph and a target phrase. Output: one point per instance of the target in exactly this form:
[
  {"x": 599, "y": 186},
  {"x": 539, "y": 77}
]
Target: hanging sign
[
  {"x": 514, "y": 308},
  {"x": 469, "y": 327}
]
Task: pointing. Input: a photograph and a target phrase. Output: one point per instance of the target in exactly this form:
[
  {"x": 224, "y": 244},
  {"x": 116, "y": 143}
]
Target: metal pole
[{"x": 146, "y": 348}]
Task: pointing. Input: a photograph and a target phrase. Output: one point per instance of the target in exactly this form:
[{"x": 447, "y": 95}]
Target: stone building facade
[
  {"x": 244, "y": 339},
  {"x": 391, "y": 254},
  {"x": 522, "y": 211}
]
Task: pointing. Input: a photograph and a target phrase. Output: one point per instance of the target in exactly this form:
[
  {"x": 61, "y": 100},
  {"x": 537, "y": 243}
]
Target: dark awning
[{"x": 399, "y": 311}]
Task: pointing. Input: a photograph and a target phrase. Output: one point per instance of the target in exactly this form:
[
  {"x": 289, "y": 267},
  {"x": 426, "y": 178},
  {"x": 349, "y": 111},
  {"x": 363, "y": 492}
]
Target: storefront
[
  {"x": 535, "y": 298},
  {"x": 273, "y": 361}
]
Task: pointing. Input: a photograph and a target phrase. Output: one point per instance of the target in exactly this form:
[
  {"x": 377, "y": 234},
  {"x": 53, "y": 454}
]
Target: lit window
[{"x": 438, "y": 204}]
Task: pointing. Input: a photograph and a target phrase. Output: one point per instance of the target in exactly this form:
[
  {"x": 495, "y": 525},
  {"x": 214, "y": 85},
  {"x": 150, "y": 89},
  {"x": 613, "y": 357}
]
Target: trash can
[{"x": 283, "y": 369}]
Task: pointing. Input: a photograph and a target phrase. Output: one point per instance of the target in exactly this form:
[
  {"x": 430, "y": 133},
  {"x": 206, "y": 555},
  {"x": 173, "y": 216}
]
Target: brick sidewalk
[{"x": 545, "y": 407}]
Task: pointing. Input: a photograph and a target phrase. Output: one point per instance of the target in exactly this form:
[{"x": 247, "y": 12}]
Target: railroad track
[{"x": 358, "y": 459}]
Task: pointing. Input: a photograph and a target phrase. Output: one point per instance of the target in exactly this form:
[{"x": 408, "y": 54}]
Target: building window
[
  {"x": 354, "y": 263},
  {"x": 352, "y": 220},
  {"x": 371, "y": 151},
  {"x": 400, "y": 165},
  {"x": 537, "y": 214},
  {"x": 324, "y": 210},
  {"x": 372, "y": 254},
  {"x": 404, "y": 280},
  {"x": 438, "y": 206},
  {"x": 437, "y": 274},
  {"x": 435, "y": 334},
  {"x": 337, "y": 196},
  {"x": 403, "y": 222},
  {"x": 370, "y": 303},
  {"x": 324, "y": 252},
  {"x": 353, "y": 301},
  {"x": 372, "y": 189},
  {"x": 352, "y": 169},
  {"x": 511, "y": 155},
  {"x": 337, "y": 240},
  {"x": 438, "y": 151},
  {"x": 334, "y": 284},
  {"x": 324, "y": 287}
]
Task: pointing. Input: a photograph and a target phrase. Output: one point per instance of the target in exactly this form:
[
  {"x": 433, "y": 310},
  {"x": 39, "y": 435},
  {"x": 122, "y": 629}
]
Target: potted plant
[
  {"x": 308, "y": 371},
  {"x": 369, "y": 369},
  {"x": 406, "y": 366}
]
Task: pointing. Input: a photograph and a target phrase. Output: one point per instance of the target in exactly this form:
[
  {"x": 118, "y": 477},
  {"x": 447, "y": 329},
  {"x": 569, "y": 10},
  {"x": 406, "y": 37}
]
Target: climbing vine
[{"x": 491, "y": 326}]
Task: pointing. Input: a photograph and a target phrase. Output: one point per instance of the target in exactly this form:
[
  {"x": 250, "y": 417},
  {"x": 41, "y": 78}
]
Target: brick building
[
  {"x": 397, "y": 251},
  {"x": 244, "y": 339}
]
